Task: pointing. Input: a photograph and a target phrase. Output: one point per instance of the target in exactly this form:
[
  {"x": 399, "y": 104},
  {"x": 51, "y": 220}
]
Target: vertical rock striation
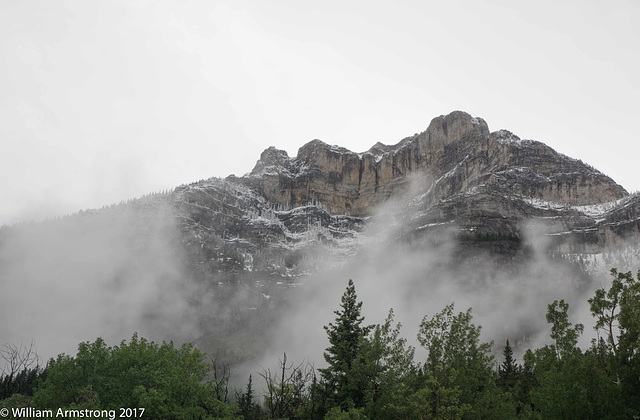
[{"x": 456, "y": 154}]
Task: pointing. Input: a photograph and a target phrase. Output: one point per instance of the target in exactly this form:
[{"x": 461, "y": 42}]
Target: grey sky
[{"x": 106, "y": 100}]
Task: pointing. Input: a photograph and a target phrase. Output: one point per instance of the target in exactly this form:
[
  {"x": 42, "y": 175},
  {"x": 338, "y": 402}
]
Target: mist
[
  {"x": 96, "y": 274},
  {"x": 418, "y": 279},
  {"x": 124, "y": 269}
]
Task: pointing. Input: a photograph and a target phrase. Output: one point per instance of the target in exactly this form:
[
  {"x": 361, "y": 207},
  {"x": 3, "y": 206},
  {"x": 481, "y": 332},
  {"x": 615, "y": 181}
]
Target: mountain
[
  {"x": 457, "y": 175},
  {"x": 455, "y": 213}
]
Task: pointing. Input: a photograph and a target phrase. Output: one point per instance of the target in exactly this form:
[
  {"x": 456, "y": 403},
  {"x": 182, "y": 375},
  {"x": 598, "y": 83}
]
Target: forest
[{"x": 370, "y": 373}]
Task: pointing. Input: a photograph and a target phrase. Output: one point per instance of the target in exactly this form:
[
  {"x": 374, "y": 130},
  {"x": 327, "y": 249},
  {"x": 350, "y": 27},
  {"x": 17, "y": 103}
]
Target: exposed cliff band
[{"x": 456, "y": 153}]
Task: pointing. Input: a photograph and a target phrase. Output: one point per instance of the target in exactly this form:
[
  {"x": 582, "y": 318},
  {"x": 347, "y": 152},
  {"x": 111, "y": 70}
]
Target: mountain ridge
[
  {"x": 354, "y": 183},
  {"x": 456, "y": 206},
  {"x": 456, "y": 172}
]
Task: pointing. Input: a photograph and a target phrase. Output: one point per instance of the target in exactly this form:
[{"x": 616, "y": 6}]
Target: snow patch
[{"x": 596, "y": 211}]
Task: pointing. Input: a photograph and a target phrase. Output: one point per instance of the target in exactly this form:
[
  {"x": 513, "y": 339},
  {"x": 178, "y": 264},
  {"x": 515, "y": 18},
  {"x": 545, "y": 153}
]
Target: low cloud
[
  {"x": 509, "y": 300},
  {"x": 107, "y": 275}
]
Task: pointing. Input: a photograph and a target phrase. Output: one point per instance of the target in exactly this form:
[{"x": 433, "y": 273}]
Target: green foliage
[
  {"x": 571, "y": 384},
  {"x": 24, "y": 382},
  {"x": 562, "y": 332},
  {"x": 371, "y": 372},
  {"x": 432, "y": 400},
  {"x": 289, "y": 392},
  {"x": 346, "y": 337},
  {"x": 453, "y": 342},
  {"x": 384, "y": 367},
  {"x": 246, "y": 403},
  {"x": 508, "y": 370},
  {"x": 617, "y": 313},
  {"x": 168, "y": 383},
  {"x": 619, "y": 307},
  {"x": 20, "y": 370},
  {"x": 456, "y": 358},
  {"x": 15, "y": 401},
  {"x": 573, "y": 388},
  {"x": 605, "y": 307},
  {"x": 352, "y": 414}
]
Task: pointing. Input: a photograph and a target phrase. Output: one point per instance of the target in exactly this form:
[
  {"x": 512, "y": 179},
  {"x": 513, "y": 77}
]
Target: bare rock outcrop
[
  {"x": 456, "y": 154},
  {"x": 456, "y": 176}
]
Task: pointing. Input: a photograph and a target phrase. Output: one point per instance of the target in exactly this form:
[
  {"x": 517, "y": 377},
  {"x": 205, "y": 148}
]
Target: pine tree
[
  {"x": 508, "y": 369},
  {"x": 346, "y": 337},
  {"x": 248, "y": 408}
]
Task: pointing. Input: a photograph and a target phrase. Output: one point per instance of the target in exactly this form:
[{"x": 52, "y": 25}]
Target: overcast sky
[{"x": 102, "y": 101}]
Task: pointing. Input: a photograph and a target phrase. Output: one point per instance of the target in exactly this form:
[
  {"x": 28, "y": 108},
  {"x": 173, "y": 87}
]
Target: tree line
[{"x": 371, "y": 372}]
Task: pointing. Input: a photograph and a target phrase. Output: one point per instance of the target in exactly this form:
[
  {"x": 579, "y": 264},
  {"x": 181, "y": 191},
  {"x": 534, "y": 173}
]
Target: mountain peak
[
  {"x": 456, "y": 153},
  {"x": 457, "y": 125},
  {"x": 271, "y": 159}
]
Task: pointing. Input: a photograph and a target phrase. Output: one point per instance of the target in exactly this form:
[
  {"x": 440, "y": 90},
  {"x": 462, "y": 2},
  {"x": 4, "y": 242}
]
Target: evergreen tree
[
  {"x": 508, "y": 369},
  {"x": 346, "y": 337},
  {"x": 249, "y": 409},
  {"x": 509, "y": 364}
]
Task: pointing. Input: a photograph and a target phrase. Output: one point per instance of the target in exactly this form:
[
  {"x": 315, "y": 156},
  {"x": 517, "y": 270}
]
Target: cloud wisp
[{"x": 107, "y": 274}]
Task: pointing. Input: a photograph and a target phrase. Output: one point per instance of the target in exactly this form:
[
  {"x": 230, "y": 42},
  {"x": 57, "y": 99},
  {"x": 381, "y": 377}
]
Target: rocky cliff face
[
  {"x": 454, "y": 197},
  {"x": 475, "y": 196},
  {"x": 483, "y": 188},
  {"x": 456, "y": 154},
  {"x": 487, "y": 185},
  {"x": 291, "y": 214}
]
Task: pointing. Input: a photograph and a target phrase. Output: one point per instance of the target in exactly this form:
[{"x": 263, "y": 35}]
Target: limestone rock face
[
  {"x": 456, "y": 153},
  {"x": 483, "y": 187}
]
